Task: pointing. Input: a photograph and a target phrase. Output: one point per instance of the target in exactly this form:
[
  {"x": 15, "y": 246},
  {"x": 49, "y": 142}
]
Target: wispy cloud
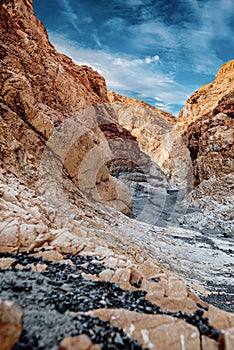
[
  {"x": 194, "y": 42},
  {"x": 127, "y": 74},
  {"x": 149, "y": 49},
  {"x": 70, "y": 14}
]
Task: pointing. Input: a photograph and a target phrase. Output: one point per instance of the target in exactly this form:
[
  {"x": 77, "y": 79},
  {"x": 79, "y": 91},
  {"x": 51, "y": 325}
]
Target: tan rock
[
  {"x": 5, "y": 263},
  {"x": 219, "y": 318},
  {"x": 81, "y": 342},
  {"x": 66, "y": 242},
  {"x": 19, "y": 266},
  {"x": 51, "y": 255},
  {"x": 10, "y": 324},
  {"x": 106, "y": 275},
  {"x": 154, "y": 131},
  {"x": 149, "y": 270},
  {"x": 39, "y": 267},
  {"x": 9, "y": 239},
  {"x": 228, "y": 339},
  {"x": 206, "y": 124},
  {"x": 121, "y": 275},
  {"x": 157, "y": 332},
  {"x": 209, "y": 344}
]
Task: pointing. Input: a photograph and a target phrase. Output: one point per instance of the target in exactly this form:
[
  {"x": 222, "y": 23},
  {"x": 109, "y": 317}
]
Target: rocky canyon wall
[
  {"x": 47, "y": 99},
  {"x": 63, "y": 251},
  {"x": 155, "y": 132},
  {"x": 207, "y": 126}
]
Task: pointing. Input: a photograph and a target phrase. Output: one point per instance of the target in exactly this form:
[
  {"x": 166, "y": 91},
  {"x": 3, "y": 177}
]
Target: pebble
[{"x": 61, "y": 288}]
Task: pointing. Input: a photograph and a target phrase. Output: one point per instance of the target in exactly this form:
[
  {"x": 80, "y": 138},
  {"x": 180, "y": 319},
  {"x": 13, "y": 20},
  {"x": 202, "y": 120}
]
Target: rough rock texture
[
  {"x": 154, "y": 131},
  {"x": 59, "y": 139},
  {"x": 114, "y": 97},
  {"x": 10, "y": 324},
  {"x": 46, "y": 97},
  {"x": 78, "y": 296},
  {"x": 207, "y": 127},
  {"x": 215, "y": 198},
  {"x": 49, "y": 100},
  {"x": 154, "y": 332},
  {"x": 206, "y": 123},
  {"x": 209, "y": 97},
  {"x": 81, "y": 342}
]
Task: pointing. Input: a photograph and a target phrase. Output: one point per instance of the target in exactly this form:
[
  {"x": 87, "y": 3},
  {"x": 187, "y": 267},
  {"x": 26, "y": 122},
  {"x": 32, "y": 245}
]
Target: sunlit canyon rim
[{"x": 117, "y": 220}]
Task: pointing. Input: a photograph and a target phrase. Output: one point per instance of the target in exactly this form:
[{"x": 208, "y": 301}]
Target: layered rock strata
[
  {"x": 156, "y": 135},
  {"x": 46, "y": 103},
  {"x": 207, "y": 127}
]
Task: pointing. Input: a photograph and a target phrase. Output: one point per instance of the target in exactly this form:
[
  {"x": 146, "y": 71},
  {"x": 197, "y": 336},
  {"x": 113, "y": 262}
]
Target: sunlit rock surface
[
  {"x": 63, "y": 155},
  {"x": 206, "y": 125}
]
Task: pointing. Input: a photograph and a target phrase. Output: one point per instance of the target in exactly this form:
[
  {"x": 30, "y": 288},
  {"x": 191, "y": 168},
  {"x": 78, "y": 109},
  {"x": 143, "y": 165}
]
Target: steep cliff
[
  {"x": 207, "y": 126},
  {"x": 46, "y": 98},
  {"x": 156, "y": 135},
  {"x": 63, "y": 252}
]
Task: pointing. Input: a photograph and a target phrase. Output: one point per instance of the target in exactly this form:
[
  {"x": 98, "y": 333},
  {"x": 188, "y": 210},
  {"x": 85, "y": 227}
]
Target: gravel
[{"x": 47, "y": 299}]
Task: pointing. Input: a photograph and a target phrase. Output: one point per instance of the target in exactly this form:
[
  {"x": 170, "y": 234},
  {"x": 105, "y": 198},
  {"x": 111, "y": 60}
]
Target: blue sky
[{"x": 159, "y": 51}]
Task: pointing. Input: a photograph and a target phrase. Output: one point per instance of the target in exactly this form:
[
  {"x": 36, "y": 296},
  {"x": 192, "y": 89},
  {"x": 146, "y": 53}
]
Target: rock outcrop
[
  {"x": 81, "y": 342},
  {"x": 46, "y": 98},
  {"x": 207, "y": 127},
  {"x": 156, "y": 135},
  {"x": 74, "y": 264}
]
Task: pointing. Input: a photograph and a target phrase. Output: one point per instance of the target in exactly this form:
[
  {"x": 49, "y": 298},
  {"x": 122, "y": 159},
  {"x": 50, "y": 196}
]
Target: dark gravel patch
[
  {"x": 48, "y": 297},
  {"x": 222, "y": 296},
  {"x": 58, "y": 327}
]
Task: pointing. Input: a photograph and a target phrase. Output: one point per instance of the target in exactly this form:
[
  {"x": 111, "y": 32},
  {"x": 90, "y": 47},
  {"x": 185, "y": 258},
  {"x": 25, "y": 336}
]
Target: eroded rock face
[
  {"x": 156, "y": 135},
  {"x": 47, "y": 100},
  {"x": 206, "y": 123},
  {"x": 207, "y": 127},
  {"x": 208, "y": 97}
]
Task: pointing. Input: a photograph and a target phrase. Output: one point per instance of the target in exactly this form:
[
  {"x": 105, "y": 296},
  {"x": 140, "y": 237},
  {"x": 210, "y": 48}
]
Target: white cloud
[
  {"x": 125, "y": 74},
  {"x": 134, "y": 3},
  {"x": 127, "y": 62},
  {"x": 152, "y": 59},
  {"x": 189, "y": 44},
  {"x": 214, "y": 27},
  {"x": 192, "y": 44}
]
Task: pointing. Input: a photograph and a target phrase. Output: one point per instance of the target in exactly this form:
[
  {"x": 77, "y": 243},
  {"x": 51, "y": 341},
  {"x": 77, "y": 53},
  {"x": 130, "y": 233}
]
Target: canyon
[{"x": 113, "y": 193}]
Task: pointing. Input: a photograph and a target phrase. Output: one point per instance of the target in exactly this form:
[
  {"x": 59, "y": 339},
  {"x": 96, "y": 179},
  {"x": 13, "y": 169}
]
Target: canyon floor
[
  {"x": 91, "y": 271},
  {"x": 117, "y": 223}
]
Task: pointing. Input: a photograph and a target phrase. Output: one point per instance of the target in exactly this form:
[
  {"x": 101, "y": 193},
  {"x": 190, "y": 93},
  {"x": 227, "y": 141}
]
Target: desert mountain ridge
[{"x": 75, "y": 271}]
